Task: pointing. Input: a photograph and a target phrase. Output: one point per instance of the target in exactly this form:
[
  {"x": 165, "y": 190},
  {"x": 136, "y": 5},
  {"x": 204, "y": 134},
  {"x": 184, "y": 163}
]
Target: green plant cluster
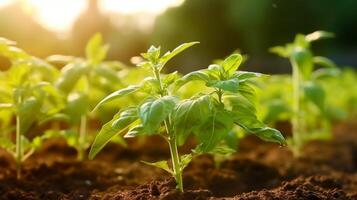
[{"x": 216, "y": 106}]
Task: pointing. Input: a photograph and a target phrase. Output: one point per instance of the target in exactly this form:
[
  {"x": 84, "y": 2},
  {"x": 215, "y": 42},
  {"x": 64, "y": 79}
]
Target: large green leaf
[
  {"x": 190, "y": 114},
  {"x": 117, "y": 94},
  {"x": 119, "y": 123},
  {"x": 244, "y": 115},
  {"x": 154, "y": 111},
  {"x": 214, "y": 130}
]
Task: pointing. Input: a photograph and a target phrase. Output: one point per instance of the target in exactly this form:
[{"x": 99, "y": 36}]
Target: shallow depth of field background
[{"x": 45, "y": 27}]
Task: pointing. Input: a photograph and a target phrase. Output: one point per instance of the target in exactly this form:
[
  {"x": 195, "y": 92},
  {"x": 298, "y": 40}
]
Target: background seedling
[
  {"x": 26, "y": 92},
  {"x": 306, "y": 89},
  {"x": 82, "y": 81}
]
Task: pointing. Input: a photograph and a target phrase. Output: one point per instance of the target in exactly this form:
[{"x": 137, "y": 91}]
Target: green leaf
[
  {"x": 190, "y": 114},
  {"x": 324, "y": 62},
  {"x": 222, "y": 150},
  {"x": 315, "y": 93},
  {"x": 160, "y": 164},
  {"x": 214, "y": 130},
  {"x": 244, "y": 75},
  {"x": 77, "y": 106},
  {"x": 169, "y": 55},
  {"x": 244, "y": 115},
  {"x": 128, "y": 116},
  {"x": 153, "y": 55},
  {"x": 119, "y": 123},
  {"x": 303, "y": 58},
  {"x": 247, "y": 91},
  {"x": 185, "y": 160},
  {"x": 154, "y": 111},
  {"x": 117, "y": 94},
  {"x": 232, "y": 63},
  {"x": 326, "y": 73},
  {"x": 201, "y": 75},
  {"x": 95, "y": 51},
  {"x": 231, "y": 85},
  {"x": 55, "y": 117},
  {"x": 170, "y": 78},
  {"x": 269, "y": 134},
  {"x": 28, "y": 110},
  {"x": 70, "y": 75},
  {"x": 281, "y": 51}
]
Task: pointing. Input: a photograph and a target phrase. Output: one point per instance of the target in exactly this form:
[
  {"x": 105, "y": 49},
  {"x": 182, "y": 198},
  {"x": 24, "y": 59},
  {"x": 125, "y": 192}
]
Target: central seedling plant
[
  {"x": 209, "y": 117},
  {"x": 306, "y": 89}
]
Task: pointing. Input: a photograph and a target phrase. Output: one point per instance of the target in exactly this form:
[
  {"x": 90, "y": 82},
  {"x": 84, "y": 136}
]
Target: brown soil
[{"x": 327, "y": 170}]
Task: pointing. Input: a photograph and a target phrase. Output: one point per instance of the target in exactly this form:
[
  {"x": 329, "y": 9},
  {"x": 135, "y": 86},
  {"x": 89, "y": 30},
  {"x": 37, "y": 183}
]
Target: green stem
[
  {"x": 18, "y": 148},
  {"x": 175, "y": 158},
  {"x": 176, "y": 162},
  {"x": 296, "y": 137},
  {"x": 82, "y": 138}
]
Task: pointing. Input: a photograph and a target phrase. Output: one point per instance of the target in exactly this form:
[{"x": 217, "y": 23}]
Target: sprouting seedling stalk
[
  {"x": 18, "y": 145},
  {"x": 82, "y": 137},
  {"x": 295, "y": 120}
]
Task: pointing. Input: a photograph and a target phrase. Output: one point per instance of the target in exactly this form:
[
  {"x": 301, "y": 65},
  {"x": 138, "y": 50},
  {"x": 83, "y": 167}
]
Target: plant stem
[
  {"x": 175, "y": 158},
  {"x": 296, "y": 137},
  {"x": 82, "y": 138},
  {"x": 176, "y": 162},
  {"x": 18, "y": 148}
]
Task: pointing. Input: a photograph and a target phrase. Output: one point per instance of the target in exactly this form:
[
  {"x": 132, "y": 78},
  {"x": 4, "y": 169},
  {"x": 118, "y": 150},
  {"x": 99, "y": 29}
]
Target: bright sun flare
[{"x": 59, "y": 15}]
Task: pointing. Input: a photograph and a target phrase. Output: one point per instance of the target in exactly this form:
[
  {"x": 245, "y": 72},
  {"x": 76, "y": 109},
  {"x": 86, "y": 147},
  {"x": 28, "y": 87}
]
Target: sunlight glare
[
  {"x": 59, "y": 15},
  {"x": 56, "y": 15},
  {"x": 138, "y": 6}
]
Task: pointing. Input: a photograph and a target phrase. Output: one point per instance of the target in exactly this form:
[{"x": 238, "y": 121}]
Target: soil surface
[{"x": 326, "y": 170}]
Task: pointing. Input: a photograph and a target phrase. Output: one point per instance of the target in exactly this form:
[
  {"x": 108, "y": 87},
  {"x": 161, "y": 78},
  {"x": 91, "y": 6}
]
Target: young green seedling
[
  {"x": 80, "y": 79},
  {"x": 164, "y": 114},
  {"x": 26, "y": 95},
  {"x": 306, "y": 89}
]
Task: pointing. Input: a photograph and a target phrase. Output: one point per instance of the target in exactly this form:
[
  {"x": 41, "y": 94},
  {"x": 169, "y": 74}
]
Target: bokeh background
[{"x": 46, "y": 27}]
